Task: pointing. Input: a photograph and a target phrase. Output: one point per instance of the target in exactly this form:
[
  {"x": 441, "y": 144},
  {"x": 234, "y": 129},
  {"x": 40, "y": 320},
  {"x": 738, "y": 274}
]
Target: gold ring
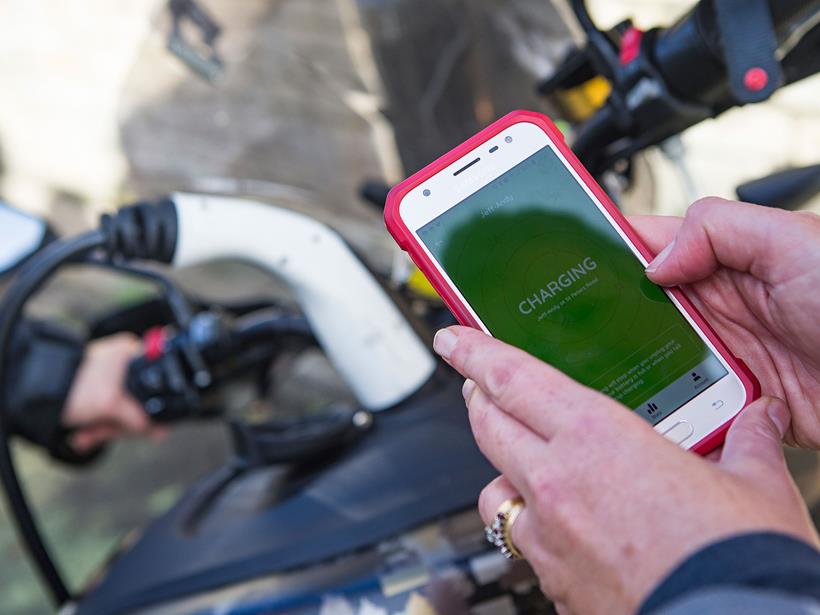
[{"x": 499, "y": 534}]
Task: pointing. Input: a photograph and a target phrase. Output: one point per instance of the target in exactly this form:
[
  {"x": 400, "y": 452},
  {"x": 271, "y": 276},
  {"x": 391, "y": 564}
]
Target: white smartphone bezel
[{"x": 707, "y": 411}]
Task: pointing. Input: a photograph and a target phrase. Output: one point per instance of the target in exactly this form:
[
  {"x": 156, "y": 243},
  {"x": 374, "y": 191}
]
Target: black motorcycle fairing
[{"x": 419, "y": 463}]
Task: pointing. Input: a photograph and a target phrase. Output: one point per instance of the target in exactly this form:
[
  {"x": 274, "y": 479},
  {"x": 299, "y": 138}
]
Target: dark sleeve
[
  {"x": 44, "y": 360},
  {"x": 740, "y": 602},
  {"x": 765, "y": 562}
]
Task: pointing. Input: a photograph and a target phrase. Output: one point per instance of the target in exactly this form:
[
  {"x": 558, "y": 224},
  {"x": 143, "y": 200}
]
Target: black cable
[
  {"x": 270, "y": 323},
  {"x": 579, "y": 7},
  {"x": 141, "y": 231},
  {"x": 30, "y": 278},
  {"x": 178, "y": 303}
]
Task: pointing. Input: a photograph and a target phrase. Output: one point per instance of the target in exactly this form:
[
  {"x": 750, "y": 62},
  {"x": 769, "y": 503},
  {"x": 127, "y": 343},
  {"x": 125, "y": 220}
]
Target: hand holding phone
[
  {"x": 610, "y": 509},
  {"x": 521, "y": 243}
]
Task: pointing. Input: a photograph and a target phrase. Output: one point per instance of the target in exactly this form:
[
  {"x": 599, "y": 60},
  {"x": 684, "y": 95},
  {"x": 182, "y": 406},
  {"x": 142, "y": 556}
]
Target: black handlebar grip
[{"x": 789, "y": 189}]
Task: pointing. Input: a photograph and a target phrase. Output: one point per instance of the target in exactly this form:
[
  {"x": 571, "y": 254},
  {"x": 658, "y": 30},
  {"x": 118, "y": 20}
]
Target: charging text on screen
[{"x": 545, "y": 271}]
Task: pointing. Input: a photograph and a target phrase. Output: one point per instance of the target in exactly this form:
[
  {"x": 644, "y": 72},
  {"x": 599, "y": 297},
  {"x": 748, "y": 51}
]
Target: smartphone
[{"x": 521, "y": 242}]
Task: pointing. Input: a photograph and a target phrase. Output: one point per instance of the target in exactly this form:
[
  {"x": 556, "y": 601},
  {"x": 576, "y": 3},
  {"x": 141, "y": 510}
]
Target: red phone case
[{"x": 408, "y": 243}]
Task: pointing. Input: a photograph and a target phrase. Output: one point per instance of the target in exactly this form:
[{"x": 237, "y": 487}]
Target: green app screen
[{"x": 545, "y": 271}]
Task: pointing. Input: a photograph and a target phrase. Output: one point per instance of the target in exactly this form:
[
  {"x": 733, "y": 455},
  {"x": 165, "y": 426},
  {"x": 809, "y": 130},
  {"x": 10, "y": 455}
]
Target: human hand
[
  {"x": 611, "y": 505},
  {"x": 98, "y": 407},
  {"x": 754, "y": 273}
]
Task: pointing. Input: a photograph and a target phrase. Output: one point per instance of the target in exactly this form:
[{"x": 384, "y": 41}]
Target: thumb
[
  {"x": 754, "y": 444},
  {"x": 719, "y": 233}
]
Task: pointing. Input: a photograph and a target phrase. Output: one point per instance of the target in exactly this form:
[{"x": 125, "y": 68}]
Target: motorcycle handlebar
[
  {"x": 690, "y": 56},
  {"x": 691, "y": 79}
]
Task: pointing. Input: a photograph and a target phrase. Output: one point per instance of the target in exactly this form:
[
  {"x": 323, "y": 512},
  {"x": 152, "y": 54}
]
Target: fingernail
[
  {"x": 658, "y": 260},
  {"x": 779, "y": 415},
  {"x": 467, "y": 389},
  {"x": 444, "y": 342}
]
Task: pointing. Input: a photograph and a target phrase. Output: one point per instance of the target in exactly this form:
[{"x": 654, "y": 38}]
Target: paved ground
[{"x": 95, "y": 111}]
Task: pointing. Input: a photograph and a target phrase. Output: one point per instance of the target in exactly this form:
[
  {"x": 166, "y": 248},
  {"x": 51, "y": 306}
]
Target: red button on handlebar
[
  {"x": 755, "y": 79},
  {"x": 154, "y": 343},
  {"x": 630, "y": 45}
]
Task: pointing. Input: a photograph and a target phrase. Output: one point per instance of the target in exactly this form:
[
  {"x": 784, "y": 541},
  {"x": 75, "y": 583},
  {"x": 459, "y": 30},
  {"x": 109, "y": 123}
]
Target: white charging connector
[{"x": 362, "y": 331}]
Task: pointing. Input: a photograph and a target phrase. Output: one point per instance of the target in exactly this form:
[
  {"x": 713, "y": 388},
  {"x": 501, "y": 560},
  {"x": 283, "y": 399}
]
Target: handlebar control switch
[
  {"x": 172, "y": 374},
  {"x": 749, "y": 43}
]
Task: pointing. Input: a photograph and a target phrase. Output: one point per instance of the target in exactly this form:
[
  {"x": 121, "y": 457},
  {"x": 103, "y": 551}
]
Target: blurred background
[{"x": 95, "y": 111}]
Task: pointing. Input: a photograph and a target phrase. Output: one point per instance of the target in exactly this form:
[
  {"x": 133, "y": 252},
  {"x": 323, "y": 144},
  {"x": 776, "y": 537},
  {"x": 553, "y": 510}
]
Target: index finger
[{"x": 538, "y": 395}]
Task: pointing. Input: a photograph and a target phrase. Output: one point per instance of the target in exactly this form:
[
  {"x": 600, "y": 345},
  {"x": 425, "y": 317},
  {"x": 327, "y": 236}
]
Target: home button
[{"x": 679, "y": 432}]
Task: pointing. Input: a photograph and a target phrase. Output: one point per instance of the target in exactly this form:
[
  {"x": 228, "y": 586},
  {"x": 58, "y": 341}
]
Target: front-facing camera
[{"x": 426, "y": 192}]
